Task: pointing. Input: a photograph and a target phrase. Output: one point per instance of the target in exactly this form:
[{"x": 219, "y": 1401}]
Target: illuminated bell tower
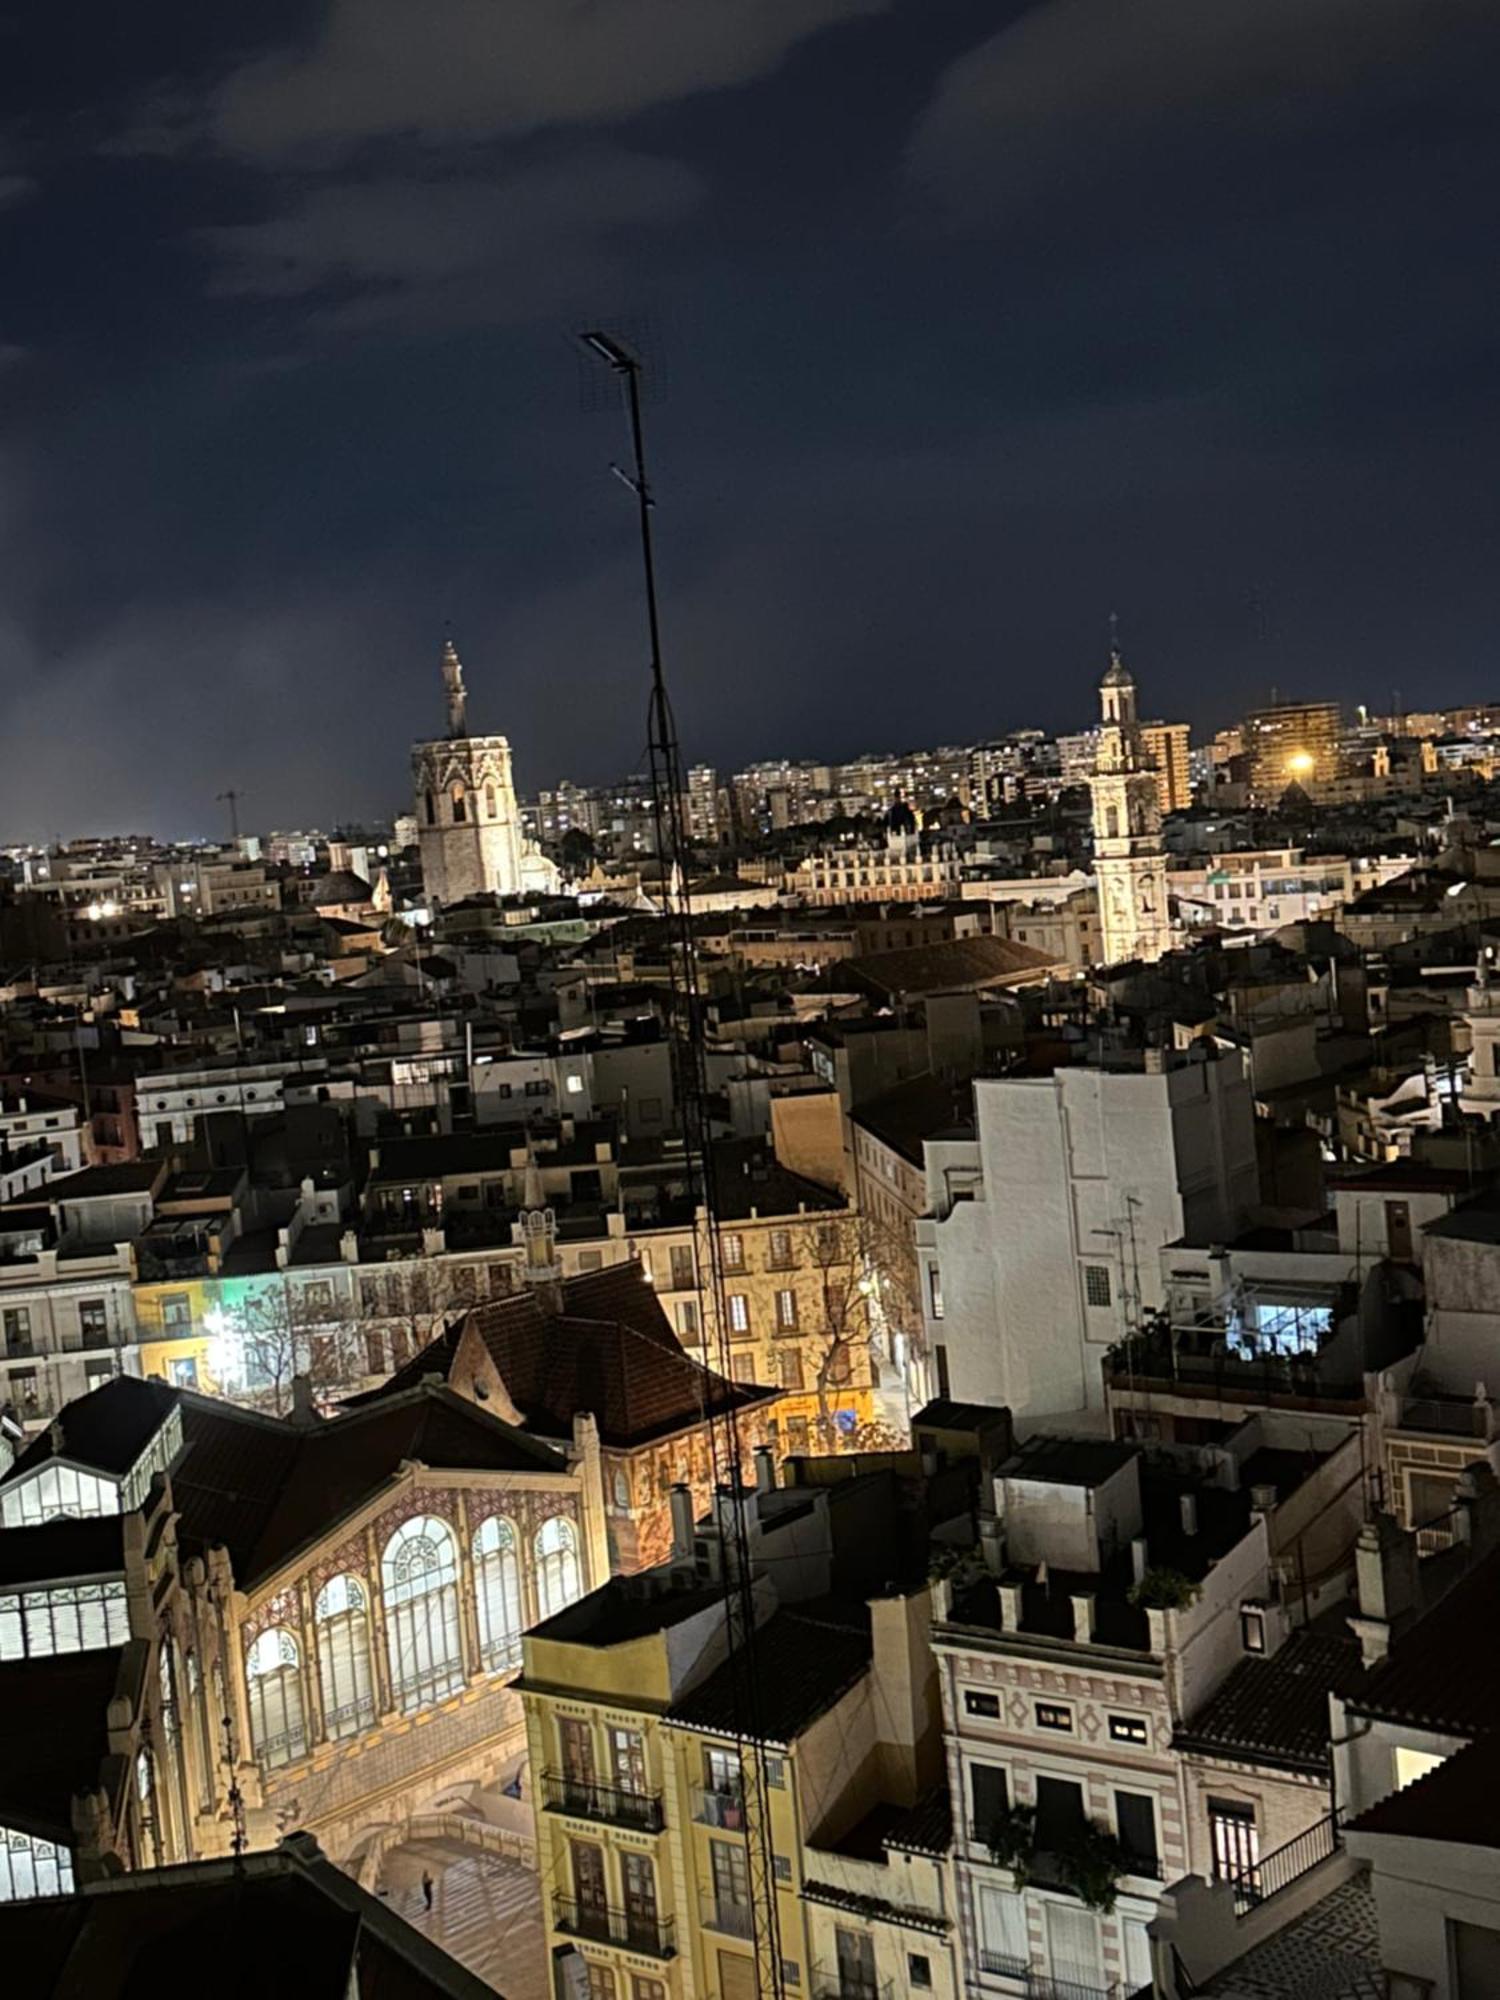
[
  {"x": 1130, "y": 862},
  {"x": 468, "y": 822}
]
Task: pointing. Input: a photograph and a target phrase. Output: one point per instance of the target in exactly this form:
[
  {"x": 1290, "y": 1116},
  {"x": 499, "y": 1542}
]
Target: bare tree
[
  {"x": 864, "y": 1297},
  {"x": 283, "y": 1329}
]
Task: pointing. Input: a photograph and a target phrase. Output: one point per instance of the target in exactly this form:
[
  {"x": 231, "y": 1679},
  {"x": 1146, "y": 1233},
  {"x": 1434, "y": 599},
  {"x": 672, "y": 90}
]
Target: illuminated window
[
  {"x": 497, "y": 1595},
  {"x": 557, "y": 1577},
  {"x": 419, "y": 1581},
  {"x": 460, "y": 803},
  {"x": 1233, "y": 1839},
  {"x": 344, "y": 1656},
  {"x": 739, "y": 1312},
  {"x": 1053, "y": 1716},
  {"x": 273, "y": 1685}
]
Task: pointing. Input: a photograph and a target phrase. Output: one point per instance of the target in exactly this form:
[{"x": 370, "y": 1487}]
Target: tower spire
[{"x": 453, "y": 684}]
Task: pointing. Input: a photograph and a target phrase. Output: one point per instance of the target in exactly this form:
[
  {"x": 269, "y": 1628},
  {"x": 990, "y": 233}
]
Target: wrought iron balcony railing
[
  {"x": 638, "y": 1930},
  {"x": 617, "y": 1805}
]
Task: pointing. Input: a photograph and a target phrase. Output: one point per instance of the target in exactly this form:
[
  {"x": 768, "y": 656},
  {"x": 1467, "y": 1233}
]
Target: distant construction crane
[{"x": 232, "y": 798}]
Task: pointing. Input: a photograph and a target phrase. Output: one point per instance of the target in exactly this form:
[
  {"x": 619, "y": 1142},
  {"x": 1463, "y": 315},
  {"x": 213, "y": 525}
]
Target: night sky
[{"x": 975, "y": 322}]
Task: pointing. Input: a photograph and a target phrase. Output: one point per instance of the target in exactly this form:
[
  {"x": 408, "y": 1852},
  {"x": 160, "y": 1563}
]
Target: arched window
[
  {"x": 273, "y": 1683},
  {"x": 460, "y": 802},
  {"x": 489, "y": 802},
  {"x": 431, "y": 810},
  {"x": 208, "y": 1755},
  {"x": 419, "y": 1579},
  {"x": 497, "y": 1595},
  {"x": 171, "y": 1727},
  {"x": 343, "y": 1624},
  {"x": 556, "y": 1565},
  {"x": 145, "y": 1805}
]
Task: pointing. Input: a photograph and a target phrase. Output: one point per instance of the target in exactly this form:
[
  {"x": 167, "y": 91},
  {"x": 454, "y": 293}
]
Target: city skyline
[
  {"x": 952, "y": 363},
  {"x": 214, "y": 808}
]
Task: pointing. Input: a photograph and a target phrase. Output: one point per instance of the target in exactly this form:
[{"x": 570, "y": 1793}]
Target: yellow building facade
[
  {"x": 644, "y": 1796},
  {"x": 803, "y": 1294}
]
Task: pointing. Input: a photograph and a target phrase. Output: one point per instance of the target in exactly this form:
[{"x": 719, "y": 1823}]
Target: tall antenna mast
[{"x": 689, "y": 1054}]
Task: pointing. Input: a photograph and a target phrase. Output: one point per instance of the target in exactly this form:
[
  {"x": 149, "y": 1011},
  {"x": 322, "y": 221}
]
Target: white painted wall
[{"x": 1088, "y": 1167}]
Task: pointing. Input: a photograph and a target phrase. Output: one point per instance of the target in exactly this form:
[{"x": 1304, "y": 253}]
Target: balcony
[
  {"x": 999, "y": 1965},
  {"x": 1040, "y": 1987},
  {"x": 614, "y": 1805},
  {"x": 724, "y": 1810},
  {"x": 1285, "y": 1864},
  {"x": 843, "y": 1982},
  {"x": 1449, "y": 1416},
  {"x": 635, "y": 1929}
]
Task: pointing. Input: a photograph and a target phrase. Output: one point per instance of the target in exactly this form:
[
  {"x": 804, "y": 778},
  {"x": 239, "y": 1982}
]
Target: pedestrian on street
[{"x": 427, "y": 1888}]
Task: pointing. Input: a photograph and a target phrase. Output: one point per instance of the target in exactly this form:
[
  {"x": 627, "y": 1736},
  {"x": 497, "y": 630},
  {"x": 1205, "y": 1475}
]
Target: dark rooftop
[
  {"x": 918, "y": 1109},
  {"x": 89, "y": 1183},
  {"x": 804, "y": 1660},
  {"x": 1440, "y": 1674},
  {"x": 281, "y": 1922},
  {"x": 623, "y": 1609},
  {"x": 55, "y": 1549},
  {"x": 1067, "y": 1461},
  {"x": 265, "y": 1487},
  {"x": 1275, "y": 1710},
  {"x": 107, "y": 1429},
  {"x": 927, "y": 1828},
  {"x": 951, "y": 964},
  {"x": 53, "y": 1737},
  {"x": 1454, "y": 1802},
  {"x": 748, "y": 1179}
]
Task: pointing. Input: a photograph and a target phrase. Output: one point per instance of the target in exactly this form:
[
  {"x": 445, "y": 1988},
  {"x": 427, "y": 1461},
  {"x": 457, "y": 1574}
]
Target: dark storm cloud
[
  {"x": 1039, "y": 104},
  {"x": 492, "y": 246},
  {"x": 982, "y": 319},
  {"x": 455, "y": 69}
]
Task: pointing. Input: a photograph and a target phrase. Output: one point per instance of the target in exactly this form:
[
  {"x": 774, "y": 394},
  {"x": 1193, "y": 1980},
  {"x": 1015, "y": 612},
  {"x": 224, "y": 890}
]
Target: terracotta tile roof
[
  {"x": 612, "y": 1352},
  {"x": 804, "y": 1660},
  {"x": 927, "y": 1828},
  {"x": 1276, "y": 1710},
  {"x": 955, "y": 964}
]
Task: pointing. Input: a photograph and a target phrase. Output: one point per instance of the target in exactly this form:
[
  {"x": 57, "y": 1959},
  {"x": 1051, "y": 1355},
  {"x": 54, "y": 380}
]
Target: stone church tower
[
  {"x": 468, "y": 823},
  {"x": 1130, "y": 862}
]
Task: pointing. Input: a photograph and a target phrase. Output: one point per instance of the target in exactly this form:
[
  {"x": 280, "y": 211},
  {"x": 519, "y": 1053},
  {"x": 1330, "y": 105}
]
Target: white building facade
[{"x": 1041, "y": 1244}]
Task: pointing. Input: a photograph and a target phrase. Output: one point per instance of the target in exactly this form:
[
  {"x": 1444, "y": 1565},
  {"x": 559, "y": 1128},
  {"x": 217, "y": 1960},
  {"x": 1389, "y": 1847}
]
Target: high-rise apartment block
[
  {"x": 1166, "y": 747},
  {"x": 1291, "y": 743}
]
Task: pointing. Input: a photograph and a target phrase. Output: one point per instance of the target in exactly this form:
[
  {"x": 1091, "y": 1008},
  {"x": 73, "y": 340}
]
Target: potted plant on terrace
[
  {"x": 1091, "y": 1863},
  {"x": 1010, "y": 1837}
]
